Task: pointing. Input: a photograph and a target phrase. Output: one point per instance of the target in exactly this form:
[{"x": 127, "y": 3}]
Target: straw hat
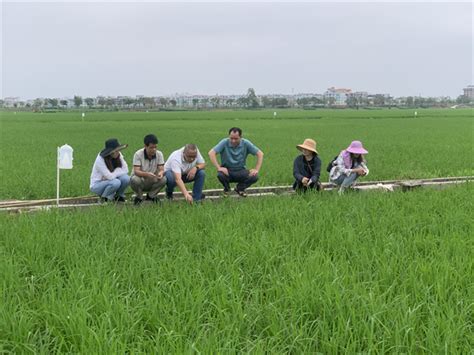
[{"x": 308, "y": 144}]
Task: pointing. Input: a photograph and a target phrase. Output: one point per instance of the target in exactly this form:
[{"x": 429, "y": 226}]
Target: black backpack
[{"x": 331, "y": 164}]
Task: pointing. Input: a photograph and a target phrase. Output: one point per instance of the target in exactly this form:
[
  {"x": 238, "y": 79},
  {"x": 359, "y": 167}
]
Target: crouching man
[
  {"x": 234, "y": 151},
  {"x": 183, "y": 166},
  {"x": 148, "y": 171}
]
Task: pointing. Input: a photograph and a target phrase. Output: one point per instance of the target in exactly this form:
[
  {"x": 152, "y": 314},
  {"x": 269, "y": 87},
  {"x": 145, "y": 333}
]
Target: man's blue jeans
[
  {"x": 109, "y": 188},
  {"x": 197, "y": 187}
]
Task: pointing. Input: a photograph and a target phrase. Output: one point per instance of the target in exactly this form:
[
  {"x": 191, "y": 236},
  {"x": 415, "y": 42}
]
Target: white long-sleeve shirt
[
  {"x": 100, "y": 172},
  {"x": 339, "y": 168}
]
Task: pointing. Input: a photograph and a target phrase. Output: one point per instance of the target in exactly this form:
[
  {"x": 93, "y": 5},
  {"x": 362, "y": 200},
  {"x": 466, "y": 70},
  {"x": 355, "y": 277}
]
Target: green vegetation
[
  {"x": 364, "y": 272},
  {"x": 368, "y": 272},
  {"x": 437, "y": 143}
]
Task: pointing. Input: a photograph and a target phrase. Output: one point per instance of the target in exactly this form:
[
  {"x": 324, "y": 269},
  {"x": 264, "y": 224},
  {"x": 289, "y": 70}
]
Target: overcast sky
[{"x": 90, "y": 48}]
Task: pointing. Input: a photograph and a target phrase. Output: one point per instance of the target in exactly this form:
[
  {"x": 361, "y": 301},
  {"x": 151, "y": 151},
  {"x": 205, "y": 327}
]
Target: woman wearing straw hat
[
  {"x": 109, "y": 177},
  {"x": 349, "y": 166},
  {"x": 307, "y": 167}
]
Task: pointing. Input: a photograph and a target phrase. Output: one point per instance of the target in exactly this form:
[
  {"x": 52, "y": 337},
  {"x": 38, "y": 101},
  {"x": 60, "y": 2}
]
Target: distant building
[
  {"x": 360, "y": 94},
  {"x": 338, "y": 95},
  {"x": 308, "y": 96},
  {"x": 469, "y": 92},
  {"x": 11, "y": 101}
]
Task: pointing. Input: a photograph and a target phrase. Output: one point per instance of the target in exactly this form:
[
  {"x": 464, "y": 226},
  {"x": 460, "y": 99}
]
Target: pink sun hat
[{"x": 356, "y": 148}]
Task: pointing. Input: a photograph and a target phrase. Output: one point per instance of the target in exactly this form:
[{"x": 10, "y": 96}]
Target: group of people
[
  {"x": 343, "y": 170},
  {"x": 151, "y": 173}
]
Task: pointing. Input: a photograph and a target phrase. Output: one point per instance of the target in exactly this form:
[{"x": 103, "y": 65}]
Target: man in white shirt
[
  {"x": 185, "y": 165},
  {"x": 148, "y": 171}
]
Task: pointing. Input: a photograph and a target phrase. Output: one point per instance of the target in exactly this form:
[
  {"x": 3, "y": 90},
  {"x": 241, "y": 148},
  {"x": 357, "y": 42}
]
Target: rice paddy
[
  {"x": 364, "y": 272},
  {"x": 435, "y": 144}
]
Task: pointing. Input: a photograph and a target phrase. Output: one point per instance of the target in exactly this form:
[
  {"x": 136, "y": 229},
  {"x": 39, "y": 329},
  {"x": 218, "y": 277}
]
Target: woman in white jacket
[
  {"x": 349, "y": 166},
  {"x": 109, "y": 178}
]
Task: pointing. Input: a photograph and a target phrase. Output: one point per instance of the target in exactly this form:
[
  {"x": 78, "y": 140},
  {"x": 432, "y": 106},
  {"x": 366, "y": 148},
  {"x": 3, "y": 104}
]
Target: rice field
[
  {"x": 435, "y": 144},
  {"x": 368, "y": 272},
  {"x": 365, "y": 272}
]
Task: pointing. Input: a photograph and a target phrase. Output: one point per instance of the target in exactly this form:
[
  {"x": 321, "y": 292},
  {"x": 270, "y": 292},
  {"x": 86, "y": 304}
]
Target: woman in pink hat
[{"x": 348, "y": 166}]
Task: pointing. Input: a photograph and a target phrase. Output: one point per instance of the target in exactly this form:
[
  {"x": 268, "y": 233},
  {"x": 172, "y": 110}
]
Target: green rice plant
[
  {"x": 435, "y": 144},
  {"x": 368, "y": 272}
]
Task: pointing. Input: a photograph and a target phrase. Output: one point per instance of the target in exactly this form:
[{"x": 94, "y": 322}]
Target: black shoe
[
  {"x": 104, "y": 200},
  {"x": 137, "y": 201},
  {"x": 152, "y": 199},
  {"x": 169, "y": 196},
  {"x": 241, "y": 193},
  {"x": 199, "y": 201},
  {"x": 202, "y": 196},
  {"x": 119, "y": 199}
]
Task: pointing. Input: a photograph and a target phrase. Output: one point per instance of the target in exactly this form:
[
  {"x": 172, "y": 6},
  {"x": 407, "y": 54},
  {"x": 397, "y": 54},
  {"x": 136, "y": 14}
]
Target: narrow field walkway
[{"x": 216, "y": 194}]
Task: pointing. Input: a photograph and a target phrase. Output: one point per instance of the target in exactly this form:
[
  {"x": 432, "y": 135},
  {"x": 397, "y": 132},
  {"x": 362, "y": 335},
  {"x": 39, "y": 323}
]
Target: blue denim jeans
[
  {"x": 110, "y": 188},
  {"x": 197, "y": 187},
  {"x": 346, "y": 181}
]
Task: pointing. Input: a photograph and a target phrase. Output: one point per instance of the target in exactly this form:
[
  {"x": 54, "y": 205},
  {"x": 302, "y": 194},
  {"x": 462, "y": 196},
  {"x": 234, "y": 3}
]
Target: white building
[
  {"x": 11, "y": 101},
  {"x": 339, "y": 95},
  {"x": 469, "y": 92}
]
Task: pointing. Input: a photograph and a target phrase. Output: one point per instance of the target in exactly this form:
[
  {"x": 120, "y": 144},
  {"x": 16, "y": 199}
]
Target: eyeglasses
[{"x": 189, "y": 158}]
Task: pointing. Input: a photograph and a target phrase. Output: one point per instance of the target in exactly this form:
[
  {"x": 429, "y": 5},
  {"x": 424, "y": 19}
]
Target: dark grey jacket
[{"x": 303, "y": 168}]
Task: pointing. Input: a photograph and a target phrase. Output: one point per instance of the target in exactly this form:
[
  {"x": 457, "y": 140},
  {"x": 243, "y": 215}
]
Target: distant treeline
[{"x": 248, "y": 101}]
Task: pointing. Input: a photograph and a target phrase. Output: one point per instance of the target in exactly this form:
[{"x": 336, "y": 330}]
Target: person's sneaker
[
  {"x": 152, "y": 199},
  {"x": 353, "y": 188},
  {"x": 226, "y": 193},
  {"x": 169, "y": 196},
  {"x": 119, "y": 199},
  {"x": 199, "y": 201},
  {"x": 241, "y": 193},
  {"x": 202, "y": 198},
  {"x": 137, "y": 201},
  {"x": 104, "y": 200}
]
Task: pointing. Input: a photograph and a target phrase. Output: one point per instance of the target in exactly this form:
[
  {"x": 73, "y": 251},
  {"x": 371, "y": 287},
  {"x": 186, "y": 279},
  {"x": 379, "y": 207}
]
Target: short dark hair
[
  {"x": 236, "y": 130},
  {"x": 150, "y": 139}
]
